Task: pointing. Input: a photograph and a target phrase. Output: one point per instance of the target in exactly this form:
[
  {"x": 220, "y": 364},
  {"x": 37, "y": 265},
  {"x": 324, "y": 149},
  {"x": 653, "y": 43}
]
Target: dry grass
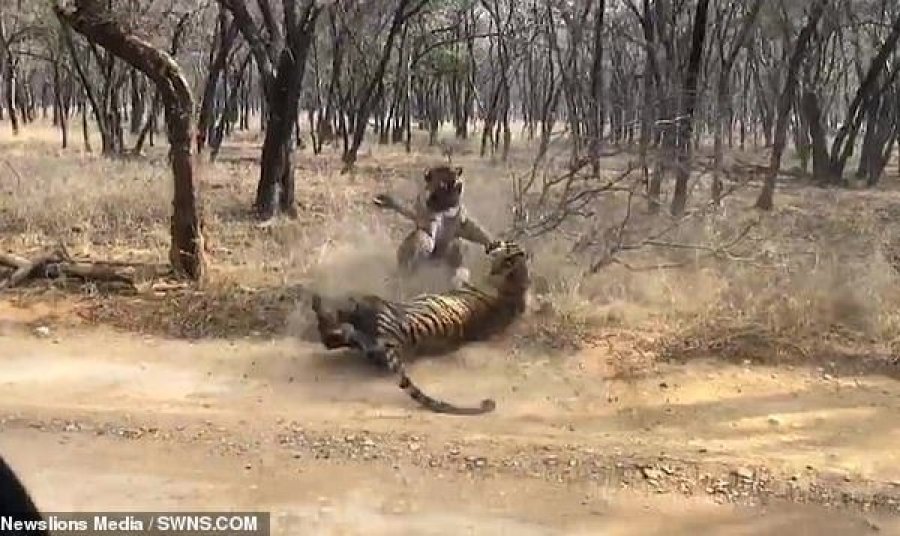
[{"x": 814, "y": 273}]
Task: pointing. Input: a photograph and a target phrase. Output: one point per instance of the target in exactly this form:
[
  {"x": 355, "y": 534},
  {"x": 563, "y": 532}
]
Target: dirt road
[{"x": 95, "y": 420}]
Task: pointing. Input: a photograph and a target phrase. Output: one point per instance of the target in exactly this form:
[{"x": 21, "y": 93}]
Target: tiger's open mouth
[{"x": 445, "y": 198}]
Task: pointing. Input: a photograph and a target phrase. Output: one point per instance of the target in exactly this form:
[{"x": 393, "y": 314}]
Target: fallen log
[
  {"x": 57, "y": 264},
  {"x": 26, "y": 269}
]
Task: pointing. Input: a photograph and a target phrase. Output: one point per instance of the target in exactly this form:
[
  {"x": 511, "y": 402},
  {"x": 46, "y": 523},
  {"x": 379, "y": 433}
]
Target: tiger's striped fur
[{"x": 386, "y": 330}]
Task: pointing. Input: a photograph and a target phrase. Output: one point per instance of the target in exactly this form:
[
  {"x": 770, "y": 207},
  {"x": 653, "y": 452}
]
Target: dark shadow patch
[
  {"x": 220, "y": 313},
  {"x": 838, "y": 354},
  {"x": 15, "y": 501},
  {"x": 344, "y": 363},
  {"x": 237, "y": 159}
]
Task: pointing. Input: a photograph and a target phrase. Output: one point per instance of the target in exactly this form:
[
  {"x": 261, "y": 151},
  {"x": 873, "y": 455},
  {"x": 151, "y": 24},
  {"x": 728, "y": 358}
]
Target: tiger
[
  {"x": 442, "y": 221},
  {"x": 386, "y": 331}
]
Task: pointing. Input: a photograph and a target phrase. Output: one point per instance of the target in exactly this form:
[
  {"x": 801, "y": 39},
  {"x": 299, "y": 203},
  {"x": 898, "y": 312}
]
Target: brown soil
[{"x": 331, "y": 446}]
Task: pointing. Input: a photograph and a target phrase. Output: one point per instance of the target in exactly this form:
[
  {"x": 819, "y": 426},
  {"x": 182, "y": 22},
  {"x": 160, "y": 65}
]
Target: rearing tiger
[
  {"x": 441, "y": 224},
  {"x": 385, "y": 331}
]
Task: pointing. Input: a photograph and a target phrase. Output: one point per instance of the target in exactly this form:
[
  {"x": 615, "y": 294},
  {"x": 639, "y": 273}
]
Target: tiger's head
[
  {"x": 443, "y": 187},
  {"x": 509, "y": 271},
  {"x": 331, "y": 322}
]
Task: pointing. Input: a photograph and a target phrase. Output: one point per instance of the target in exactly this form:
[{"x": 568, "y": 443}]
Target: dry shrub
[
  {"x": 801, "y": 280},
  {"x": 795, "y": 310},
  {"x": 88, "y": 197},
  {"x": 857, "y": 296}
]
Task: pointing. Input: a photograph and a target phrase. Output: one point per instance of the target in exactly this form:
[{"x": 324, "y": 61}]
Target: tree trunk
[
  {"x": 85, "y": 132},
  {"x": 280, "y": 84},
  {"x": 371, "y": 93},
  {"x": 276, "y": 182},
  {"x": 60, "y": 113},
  {"x": 871, "y": 109},
  {"x": 765, "y": 201},
  {"x": 595, "y": 107},
  {"x": 148, "y": 125},
  {"x": 9, "y": 78},
  {"x": 842, "y": 146},
  {"x": 879, "y": 140},
  {"x": 724, "y": 111},
  {"x": 227, "y": 34},
  {"x": 89, "y": 18},
  {"x": 686, "y": 121},
  {"x": 138, "y": 103},
  {"x": 812, "y": 117}
]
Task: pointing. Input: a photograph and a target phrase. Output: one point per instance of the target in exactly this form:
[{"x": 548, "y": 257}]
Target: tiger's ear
[{"x": 458, "y": 170}]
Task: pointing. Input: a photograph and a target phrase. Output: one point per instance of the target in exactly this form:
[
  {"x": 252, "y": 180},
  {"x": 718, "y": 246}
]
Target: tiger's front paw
[{"x": 460, "y": 278}]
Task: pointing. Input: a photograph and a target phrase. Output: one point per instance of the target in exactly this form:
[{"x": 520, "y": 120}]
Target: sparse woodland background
[{"x": 724, "y": 171}]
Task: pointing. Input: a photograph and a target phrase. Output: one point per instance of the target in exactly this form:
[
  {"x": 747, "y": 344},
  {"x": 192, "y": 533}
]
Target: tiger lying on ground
[
  {"x": 441, "y": 223},
  {"x": 386, "y": 331}
]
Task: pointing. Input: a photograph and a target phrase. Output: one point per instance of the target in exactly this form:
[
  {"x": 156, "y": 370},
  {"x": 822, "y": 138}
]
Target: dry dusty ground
[
  {"x": 95, "y": 420},
  {"x": 784, "y": 420}
]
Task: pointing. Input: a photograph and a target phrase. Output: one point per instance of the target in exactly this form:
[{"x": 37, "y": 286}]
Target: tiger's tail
[{"x": 433, "y": 404}]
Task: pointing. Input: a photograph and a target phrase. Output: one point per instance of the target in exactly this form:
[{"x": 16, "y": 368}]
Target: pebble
[
  {"x": 42, "y": 331},
  {"x": 873, "y": 526},
  {"x": 744, "y": 473},
  {"x": 652, "y": 474}
]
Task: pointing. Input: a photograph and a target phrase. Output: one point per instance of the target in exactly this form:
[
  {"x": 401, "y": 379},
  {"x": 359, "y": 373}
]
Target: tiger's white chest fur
[{"x": 443, "y": 227}]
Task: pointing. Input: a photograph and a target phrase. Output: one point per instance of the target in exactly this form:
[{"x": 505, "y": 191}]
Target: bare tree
[
  {"x": 727, "y": 59},
  {"x": 9, "y": 74},
  {"x": 845, "y": 141},
  {"x": 91, "y": 19},
  {"x": 281, "y": 60},
  {"x": 686, "y": 121},
  {"x": 225, "y": 37},
  {"x": 372, "y": 90},
  {"x": 765, "y": 201}
]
